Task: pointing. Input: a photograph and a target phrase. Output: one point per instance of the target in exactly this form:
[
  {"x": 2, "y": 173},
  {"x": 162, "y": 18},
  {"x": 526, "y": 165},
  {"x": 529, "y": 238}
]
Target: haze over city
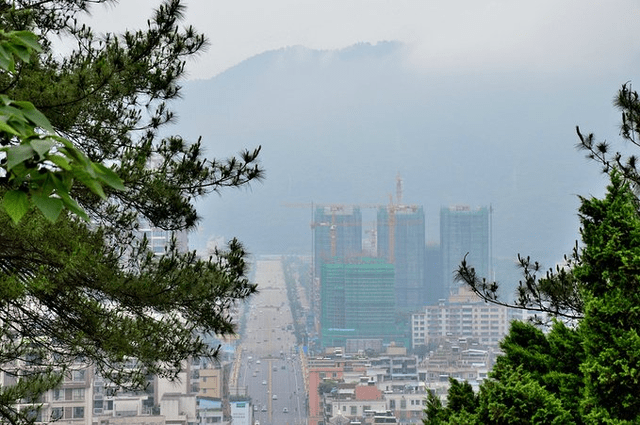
[
  {"x": 386, "y": 156},
  {"x": 472, "y": 103}
]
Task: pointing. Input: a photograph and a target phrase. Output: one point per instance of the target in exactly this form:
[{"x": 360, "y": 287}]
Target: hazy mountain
[{"x": 338, "y": 126}]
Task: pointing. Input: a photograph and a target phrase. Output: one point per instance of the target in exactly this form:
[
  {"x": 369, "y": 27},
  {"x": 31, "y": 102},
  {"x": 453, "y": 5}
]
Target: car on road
[
  {"x": 264, "y": 382},
  {"x": 285, "y": 410},
  {"x": 275, "y": 397}
]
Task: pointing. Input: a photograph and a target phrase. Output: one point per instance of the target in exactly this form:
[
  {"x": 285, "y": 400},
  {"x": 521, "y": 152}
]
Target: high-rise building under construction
[
  {"x": 465, "y": 231},
  {"x": 401, "y": 240},
  {"x": 337, "y": 232},
  {"x": 358, "y": 301}
]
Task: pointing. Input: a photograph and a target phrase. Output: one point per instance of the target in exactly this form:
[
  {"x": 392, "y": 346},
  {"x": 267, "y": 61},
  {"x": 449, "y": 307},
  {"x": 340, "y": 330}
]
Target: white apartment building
[{"x": 462, "y": 315}]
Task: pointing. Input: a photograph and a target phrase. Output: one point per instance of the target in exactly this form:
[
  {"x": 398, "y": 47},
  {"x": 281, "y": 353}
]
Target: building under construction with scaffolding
[
  {"x": 401, "y": 240},
  {"x": 360, "y": 297},
  {"x": 358, "y": 301},
  {"x": 337, "y": 232}
]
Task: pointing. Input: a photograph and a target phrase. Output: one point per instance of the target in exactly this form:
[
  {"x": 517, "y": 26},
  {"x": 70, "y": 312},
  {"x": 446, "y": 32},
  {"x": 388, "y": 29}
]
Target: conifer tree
[
  {"x": 610, "y": 276},
  {"x": 587, "y": 374},
  {"x": 83, "y": 166}
]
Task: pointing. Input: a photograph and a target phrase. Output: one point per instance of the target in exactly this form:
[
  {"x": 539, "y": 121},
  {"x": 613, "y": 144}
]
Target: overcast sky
[{"x": 548, "y": 35}]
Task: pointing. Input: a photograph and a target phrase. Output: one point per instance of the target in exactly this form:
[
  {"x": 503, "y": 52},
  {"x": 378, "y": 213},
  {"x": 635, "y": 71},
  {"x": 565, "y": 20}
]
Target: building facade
[
  {"x": 465, "y": 232},
  {"x": 357, "y": 301},
  {"x": 401, "y": 240},
  {"x": 337, "y": 232},
  {"x": 462, "y": 315}
]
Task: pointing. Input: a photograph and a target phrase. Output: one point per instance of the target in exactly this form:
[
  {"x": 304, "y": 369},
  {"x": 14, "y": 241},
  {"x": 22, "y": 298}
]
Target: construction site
[{"x": 367, "y": 276}]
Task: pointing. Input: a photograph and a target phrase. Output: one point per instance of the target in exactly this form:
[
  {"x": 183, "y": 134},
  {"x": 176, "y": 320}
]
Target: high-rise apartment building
[
  {"x": 462, "y": 315},
  {"x": 464, "y": 231},
  {"x": 435, "y": 289},
  {"x": 401, "y": 240},
  {"x": 357, "y": 301}
]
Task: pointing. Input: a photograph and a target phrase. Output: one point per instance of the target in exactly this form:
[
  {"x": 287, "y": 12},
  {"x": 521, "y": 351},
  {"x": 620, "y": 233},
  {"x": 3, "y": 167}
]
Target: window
[
  {"x": 78, "y": 394},
  {"x": 56, "y": 413},
  {"x": 57, "y": 394},
  {"x": 78, "y": 412},
  {"x": 392, "y": 404},
  {"x": 33, "y": 414},
  {"x": 79, "y": 375},
  {"x": 403, "y": 403},
  {"x": 354, "y": 410},
  {"x": 344, "y": 408}
]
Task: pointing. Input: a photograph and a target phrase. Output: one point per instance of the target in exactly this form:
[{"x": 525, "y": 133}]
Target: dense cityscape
[
  {"x": 358, "y": 332},
  {"x": 500, "y": 286}
]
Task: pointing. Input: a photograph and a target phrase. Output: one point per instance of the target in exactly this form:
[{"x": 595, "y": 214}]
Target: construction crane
[{"x": 393, "y": 210}]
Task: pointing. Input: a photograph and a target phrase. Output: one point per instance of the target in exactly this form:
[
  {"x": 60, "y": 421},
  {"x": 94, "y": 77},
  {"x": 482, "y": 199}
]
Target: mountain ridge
[{"x": 338, "y": 126}]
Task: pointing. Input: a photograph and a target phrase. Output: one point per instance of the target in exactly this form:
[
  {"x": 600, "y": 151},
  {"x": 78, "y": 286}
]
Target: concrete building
[
  {"x": 241, "y": 413},
  {"x": 353, "y": 402},
  {"x": 462, "y": 315},
  {"x": 465, "y": 231},
  {"x": 434, "y": 286},
  {"x": 401, "y": 240},
  {"x": 71, "y": 403},
  {"x": 337, "y": 232},
  {"x": 357, "y": 301},
  {"x": 319, "y": 370},
  {"x": 159, "y": 239},
  {"x": 211, "y": 382},
  {"x": 209, "y": 410}
]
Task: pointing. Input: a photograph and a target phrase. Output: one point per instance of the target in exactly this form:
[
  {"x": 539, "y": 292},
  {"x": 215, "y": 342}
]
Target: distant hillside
[{"x": 338, "y": 126}]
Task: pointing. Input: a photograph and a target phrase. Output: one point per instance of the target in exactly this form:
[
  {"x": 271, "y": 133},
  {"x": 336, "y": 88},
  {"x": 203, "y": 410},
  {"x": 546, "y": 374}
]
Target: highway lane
[{"x": 270, "y": 368}]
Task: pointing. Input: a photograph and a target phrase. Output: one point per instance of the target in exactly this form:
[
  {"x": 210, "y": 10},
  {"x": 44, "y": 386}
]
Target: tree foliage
[
  {"x": 80, "y": 136},
  {"x": 461, "y": 400},
  {"x": 588, "y": 373},
  {"x": 534, "y": 382},
  {"x": 557, "y": 292},
  {"x": 38, "y": 166},
  {"x": 610, "y": 272}
]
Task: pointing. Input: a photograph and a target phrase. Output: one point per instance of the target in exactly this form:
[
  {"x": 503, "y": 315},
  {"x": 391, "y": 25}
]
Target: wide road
[{"x": 270, "y": 367}]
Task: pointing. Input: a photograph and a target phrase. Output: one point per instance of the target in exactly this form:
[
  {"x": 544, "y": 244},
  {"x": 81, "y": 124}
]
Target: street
[{"x": 270, "y": 366}]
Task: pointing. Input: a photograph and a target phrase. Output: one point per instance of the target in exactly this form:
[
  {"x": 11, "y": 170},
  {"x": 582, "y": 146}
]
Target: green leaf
[
  {"x": 50, "y": 207},
  {"x": 18, "y": 154},
  {"x": 62, "y": 185},
  {"x": 42, "y": 146},
  {"x": 70, "y": 150},
  {"x": 6, "y": 128},
  {"x": 28, "y": 39},
  {"x": 22, "y": 52},
  {"x": 73, "y": 206},
  {"x": 32, "y": 114},
  {"x": 16, "y": 204},
  {"x": 6, "y": 59},
  {"x": 89, "y": 181},
  {"x": 60, "y": 161},
  {"x": 109, "y": 176}
]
